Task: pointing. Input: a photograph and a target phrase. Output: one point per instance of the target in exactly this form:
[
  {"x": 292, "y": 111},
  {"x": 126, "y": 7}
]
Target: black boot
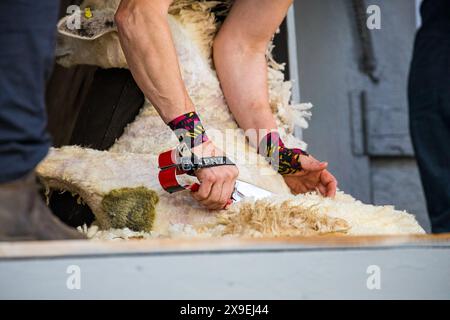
[{"x": 24, "y": 216}]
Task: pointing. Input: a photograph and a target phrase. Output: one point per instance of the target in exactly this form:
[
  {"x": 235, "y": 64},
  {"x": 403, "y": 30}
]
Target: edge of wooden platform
[{"x": 71, "y": 248}]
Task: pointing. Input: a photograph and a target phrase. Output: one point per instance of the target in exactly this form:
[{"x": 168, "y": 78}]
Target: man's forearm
[
  {"x": 239, "y": 57},
  {"x": 243, "y": 76},
  {"x": 147, "y": 42}
]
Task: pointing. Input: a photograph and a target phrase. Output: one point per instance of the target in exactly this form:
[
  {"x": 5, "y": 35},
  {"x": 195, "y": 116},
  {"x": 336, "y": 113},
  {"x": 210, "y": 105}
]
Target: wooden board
[
  {"x": 380, "y": 267},
  {"x": 45, "y": 249}
]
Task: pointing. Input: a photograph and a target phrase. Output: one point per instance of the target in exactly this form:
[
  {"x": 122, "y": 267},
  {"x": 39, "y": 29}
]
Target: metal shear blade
[{"x": 246, "y": 190}]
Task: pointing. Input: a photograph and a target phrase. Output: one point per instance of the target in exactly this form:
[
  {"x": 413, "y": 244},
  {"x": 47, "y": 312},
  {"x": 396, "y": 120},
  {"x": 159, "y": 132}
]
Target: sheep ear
[{"x": 87, "y": 27}]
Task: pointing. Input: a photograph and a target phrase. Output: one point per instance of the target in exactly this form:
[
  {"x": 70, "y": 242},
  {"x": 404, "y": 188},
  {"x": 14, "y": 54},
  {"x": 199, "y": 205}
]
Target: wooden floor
[{"x": 43, "y": 249}]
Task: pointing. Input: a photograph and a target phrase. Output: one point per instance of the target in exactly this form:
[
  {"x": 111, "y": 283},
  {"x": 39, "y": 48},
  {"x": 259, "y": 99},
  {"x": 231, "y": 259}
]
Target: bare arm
[
  {"x": 148, "y": 46},
  {"x": 242, "y": 41},
  {"x": 147, "y": 42},
  {"x": 239, "y": 57}
]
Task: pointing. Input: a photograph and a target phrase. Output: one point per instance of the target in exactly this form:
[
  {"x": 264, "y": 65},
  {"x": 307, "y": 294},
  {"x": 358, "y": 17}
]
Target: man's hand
[
  {"x": 313, "y": 176},
  {"x": 216, "y": 183}
]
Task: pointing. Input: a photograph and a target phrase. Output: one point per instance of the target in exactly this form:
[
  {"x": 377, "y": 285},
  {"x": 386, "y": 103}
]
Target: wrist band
[
  {"x": 194, "y": 163},
  {"x": 282, "y": 159},
  {"x": 189, "y": 129},
  {"x": 175, "y": 163}
]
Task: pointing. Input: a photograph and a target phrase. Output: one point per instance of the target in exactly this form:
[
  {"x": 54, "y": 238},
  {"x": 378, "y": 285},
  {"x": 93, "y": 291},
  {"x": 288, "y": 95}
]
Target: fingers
[
  {"x": 210, "y": 189},
  {"x": 227, "y": 190},
  {"x": 217, "y": 185},
  {"x": 206, "y": 182},
  {"x": 328, "y": 183},
  {"x": 213, "y": 201},
  {"x": 322, "y": 189}
]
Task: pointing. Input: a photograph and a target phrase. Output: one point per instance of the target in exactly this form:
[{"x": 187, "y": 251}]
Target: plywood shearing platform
[{"x": 285, "y": 268}]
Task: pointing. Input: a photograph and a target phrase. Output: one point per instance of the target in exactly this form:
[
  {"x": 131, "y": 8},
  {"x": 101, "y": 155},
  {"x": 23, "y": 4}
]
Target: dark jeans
[
  {"x": 27, "y": 41},
  {"x": 429, "y": 106}
]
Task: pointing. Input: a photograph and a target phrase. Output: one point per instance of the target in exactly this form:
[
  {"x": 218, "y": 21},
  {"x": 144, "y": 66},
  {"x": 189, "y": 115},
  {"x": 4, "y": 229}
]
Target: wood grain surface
[{"x": 37, "y": 249}]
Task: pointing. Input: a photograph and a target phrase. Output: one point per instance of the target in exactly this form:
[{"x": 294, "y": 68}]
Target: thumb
[{"x": 311, "y": 164}]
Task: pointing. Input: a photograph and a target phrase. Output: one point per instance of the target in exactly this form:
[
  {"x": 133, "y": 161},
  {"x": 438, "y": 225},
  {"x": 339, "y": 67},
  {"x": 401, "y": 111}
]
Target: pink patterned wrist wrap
[
  {"x": 189, "y": 129},
  {"x": 284, "y": 160}
]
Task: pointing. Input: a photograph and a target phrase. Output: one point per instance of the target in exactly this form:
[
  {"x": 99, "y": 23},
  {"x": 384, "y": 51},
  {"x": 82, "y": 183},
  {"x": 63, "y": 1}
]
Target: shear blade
[{"x": 246, "y": 190}]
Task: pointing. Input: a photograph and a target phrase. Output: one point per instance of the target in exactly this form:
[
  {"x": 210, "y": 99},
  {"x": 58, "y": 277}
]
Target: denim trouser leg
[
  {"x": 429, "y": 106},
  {"x": 27, "y": 38}
]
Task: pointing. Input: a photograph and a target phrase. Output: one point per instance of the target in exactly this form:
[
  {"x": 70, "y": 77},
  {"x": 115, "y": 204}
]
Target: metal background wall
[{"x": 360, "y": 127}]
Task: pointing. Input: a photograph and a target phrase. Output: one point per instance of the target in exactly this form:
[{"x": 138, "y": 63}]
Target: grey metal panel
[
  {"x": 328, "y": 71},
  {"x": 293, "y": 54},
  {"x": 350, "y": 129},
  {"x": 418, "y": 17},
  {"x": 358, "y": 123},
  {"x": 405, "y": 273},
  {"x": 387, "y": 110},
  {"x": 387, "y": 132},
  {"x": 397, "y": 182},
  {"x": 378, "y": 130}
]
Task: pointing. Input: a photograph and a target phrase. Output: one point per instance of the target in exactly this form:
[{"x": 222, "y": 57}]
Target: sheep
[{"x": 121, "y": 187}]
